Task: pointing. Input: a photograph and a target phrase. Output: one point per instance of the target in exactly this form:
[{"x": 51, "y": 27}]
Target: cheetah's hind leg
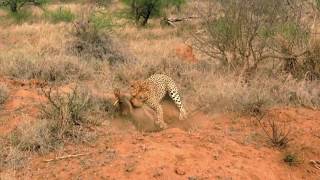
[{"x": 177, "y": 100}]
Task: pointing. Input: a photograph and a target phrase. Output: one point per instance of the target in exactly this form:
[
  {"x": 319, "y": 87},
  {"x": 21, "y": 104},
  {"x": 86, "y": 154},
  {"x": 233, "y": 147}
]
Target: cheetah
[{"x": 151, "y": 92}]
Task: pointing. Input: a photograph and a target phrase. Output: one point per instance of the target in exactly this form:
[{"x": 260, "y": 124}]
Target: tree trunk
[
  {"x": 13, "y": 6},
  {"x": 147, "y": 14},
  {"x": 146, "y": 18}
]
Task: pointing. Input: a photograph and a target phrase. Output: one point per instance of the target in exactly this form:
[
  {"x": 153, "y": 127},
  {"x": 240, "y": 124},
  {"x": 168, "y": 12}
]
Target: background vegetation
[{"x": 250, "y": 57}]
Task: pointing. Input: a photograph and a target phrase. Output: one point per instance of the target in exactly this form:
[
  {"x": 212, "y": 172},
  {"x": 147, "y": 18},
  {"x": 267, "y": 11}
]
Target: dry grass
[
  {"x": 63, "y": 118},
  {"x": 90, "y": 42},
  {"x": 4, "y": 93},
  {"x": 67, "y": 116},
  {"x": 53, "y": 69},
  {"x": 42, "y": 48},
  {"x": 278, "y": 133}
]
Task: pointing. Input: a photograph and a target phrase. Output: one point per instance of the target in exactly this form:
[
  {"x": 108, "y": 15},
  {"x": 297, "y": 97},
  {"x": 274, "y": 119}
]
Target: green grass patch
[
  {"x": 61, "y": 15},
  {"x": 101, "y": 21},
  {"x": 20, "y": 16}
]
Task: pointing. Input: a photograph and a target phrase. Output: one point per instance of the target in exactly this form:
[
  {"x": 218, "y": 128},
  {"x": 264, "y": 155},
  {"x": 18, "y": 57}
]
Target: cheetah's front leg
[{"x": 159, "y": 120}]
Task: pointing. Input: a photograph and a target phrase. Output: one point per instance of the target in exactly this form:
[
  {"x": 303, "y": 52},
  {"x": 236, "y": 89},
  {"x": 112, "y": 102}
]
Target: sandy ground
[{"x": 215, "y": 146}]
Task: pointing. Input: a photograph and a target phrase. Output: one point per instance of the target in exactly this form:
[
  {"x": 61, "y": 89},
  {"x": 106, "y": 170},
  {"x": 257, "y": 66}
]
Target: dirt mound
[
  {"x": 22, "y": 102},
  {"x": 216, "y": 147},
  {"x": 202, "y": 147}
]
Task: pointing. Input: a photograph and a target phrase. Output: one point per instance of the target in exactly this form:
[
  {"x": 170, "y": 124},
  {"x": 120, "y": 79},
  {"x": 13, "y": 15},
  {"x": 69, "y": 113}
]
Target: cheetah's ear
[{"x": 132, "y": 83}]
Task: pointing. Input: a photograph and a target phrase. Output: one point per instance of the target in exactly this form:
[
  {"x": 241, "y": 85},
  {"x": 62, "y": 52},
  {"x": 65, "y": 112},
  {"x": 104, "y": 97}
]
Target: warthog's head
[{"x": 123, "y": 101}]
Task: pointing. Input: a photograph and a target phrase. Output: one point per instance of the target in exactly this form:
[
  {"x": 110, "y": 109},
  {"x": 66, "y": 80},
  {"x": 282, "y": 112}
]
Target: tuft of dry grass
[
  {"x": 33, "y": 137},
  {"x": 67, "y": 116},
  {"x": 53, "y": 69},
  {"x": 11, "y": 157},
  {"x": 278, "y": 133},
  {"x": 4, "y": 93},
  {"x": 67, "y": 111},
  {"x": 90, "y": 42}
]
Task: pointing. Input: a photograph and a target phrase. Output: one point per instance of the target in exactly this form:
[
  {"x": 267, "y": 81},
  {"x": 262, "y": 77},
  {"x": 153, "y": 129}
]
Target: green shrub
[
  {"x": 20, "y": 16},
  {"x": 101, "y": 22},
  {"x": 16, "y": 5},
  {"x": 61, "y": 15},
  {"x": 291, "y": 159},
  {"x": 144, "y": 9}
]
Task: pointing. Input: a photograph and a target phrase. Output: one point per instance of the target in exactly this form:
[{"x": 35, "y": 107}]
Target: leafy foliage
[
  {"x": 15, "y": 5},
  {"x": 144, "y": 9},
  {"x": 61, "y": 15}
]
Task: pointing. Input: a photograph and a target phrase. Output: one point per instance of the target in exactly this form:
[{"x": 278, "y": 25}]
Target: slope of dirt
[
  {"x": 216, "y": 147},
  {"x": 23, "y": 101},
  {"x": 203, "y": 147}
]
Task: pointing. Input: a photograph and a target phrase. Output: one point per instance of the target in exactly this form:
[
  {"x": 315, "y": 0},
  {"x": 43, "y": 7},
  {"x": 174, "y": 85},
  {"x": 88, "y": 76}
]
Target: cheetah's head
[{"x": 139, "y": 91}]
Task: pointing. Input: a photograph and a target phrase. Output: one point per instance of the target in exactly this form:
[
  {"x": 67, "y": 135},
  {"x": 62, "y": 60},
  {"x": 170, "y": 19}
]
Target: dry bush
[
  {"x": 33, "y": 137},
  {"x": 245, "y": 36},
  {"x": 307, "y": 67},
  {"x": 63, "y": 119},
  {"x": 277, "y": 132},
  {"x": 12, "y": 158},
  {"x": 4, "y": 93},
  {"x": 252, "y": 105},
  {"x": 66, "y": 108},
  {"x": 91, "y": 42},
  {"x": 53, "y": 69}
]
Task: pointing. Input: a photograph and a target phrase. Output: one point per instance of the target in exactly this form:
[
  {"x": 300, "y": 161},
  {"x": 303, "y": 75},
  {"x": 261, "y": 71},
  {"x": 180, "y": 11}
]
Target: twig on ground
[
  {"x": 67, "y": 157},
  {"x": 315, "y": 163}
]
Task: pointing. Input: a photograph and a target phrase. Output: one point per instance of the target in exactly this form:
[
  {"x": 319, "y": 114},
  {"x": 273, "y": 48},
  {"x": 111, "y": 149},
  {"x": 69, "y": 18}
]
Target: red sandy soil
[{"x": 216, "y": 146}]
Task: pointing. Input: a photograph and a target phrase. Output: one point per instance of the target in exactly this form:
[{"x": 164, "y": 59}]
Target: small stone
[
  {"x": 180, "y": 171},
  {"x": 157, "y": 174}
]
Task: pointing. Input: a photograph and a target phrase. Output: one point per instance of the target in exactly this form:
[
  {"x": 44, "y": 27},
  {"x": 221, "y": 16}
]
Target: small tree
[
  {"x": 15, "y": 5},
  {"x": 144, "y": 9},
  {"x": 245, "y": 34}
]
